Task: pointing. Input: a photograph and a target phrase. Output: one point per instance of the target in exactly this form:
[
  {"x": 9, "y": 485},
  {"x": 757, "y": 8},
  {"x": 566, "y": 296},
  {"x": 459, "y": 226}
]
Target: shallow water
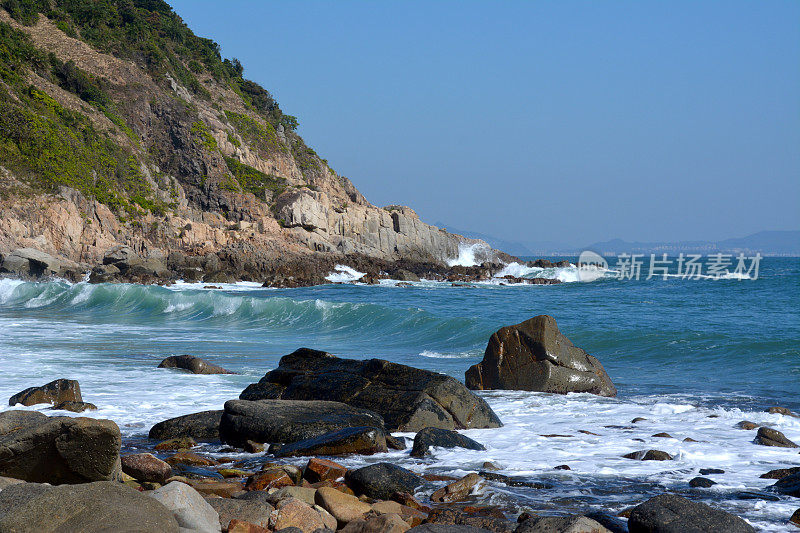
[{"x": 678, "y": 351}]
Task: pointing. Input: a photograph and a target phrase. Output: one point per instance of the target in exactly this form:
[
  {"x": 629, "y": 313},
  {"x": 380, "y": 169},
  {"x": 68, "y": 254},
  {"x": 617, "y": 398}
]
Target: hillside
[{"x": 119, "y": 126}]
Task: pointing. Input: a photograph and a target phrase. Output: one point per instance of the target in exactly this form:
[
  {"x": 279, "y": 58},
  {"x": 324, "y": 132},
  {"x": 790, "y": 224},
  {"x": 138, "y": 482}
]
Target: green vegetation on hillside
[{"x": 253, "y": 180}]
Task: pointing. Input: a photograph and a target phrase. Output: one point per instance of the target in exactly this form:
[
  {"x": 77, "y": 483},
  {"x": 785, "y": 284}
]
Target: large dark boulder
[
  {"x": 361, "y": 440},
  {"x": 287, "y": 421},
  {"x": 193, "y": 364},
  {"x": 535, "y": 356},
  {"x": 772, "y": 437},
  {"x": 200, "y": 426},
  {"x": 381, "y": 480},
  {"x": 57, "y": 450},
  {"x": 561, "y": 524},
  {"x": 88, "y": 507},
  {"x": 788, "y": 485},
  {"x": 407, "y": 398},
  {"x": 55, "y": 392},
  {"x": 443, "y": 438},
  {"x": 669, "y": 513}
]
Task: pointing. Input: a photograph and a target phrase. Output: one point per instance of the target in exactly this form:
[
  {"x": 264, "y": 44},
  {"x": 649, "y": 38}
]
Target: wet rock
[
  {"x": 323, "y": 469},
  {"x": 561, "y": 524},
  {"x": 407, "y": 398},
  {"x": 788, "y": 485},
  {"x": 447, "y": 528},
  {"x": 55, "y": 392},
  {"x": 407, "y": 500},
  {"x": 795, "y": 518},
  {"x": 190, "y": 459},
  {"x": 457, "y": 490},
  {"x": 488, "y": 465},
  {"x": 178, "y": 443},
  {"x": 395, "y": 443},
  {"x": 233, "y": 472},
  {"x": 200, "y": 426},
  {"x": 403, "y": 275},
  {"x": 295, "y": 513},
  {"x": 781, "y": 411},
  {"x": 746, "y": 424},
  {"x": 272, "y": 478},
  {"x": 121, "y": 256},
  {"x": 306, "y": 494},
  {"x": 385, "y": 523},
  {"x": 663, "y": 436},
  {"x": 708, "y": 471},
  {"x": 755, "y": 495},
  {"x": 610, "y": 522},
  {"x": 535, "y": 356},
  {"x": 288, "y": 421},
  {"x": 188, "y": 507},
  {"x": 381, "y": 480},
  {"x": 97, "y": 506},
  {"x": 701, "y": 482},
  {"x": 253, "y": 512},
  {"x": 74, "y": 407},
  {"x": 562, "y": 467},
  {"x": 669, "y": 513},
  {"x": 443, "y": 438},
  {"x": 648, "y": 455},
  {"x": 146, "y": 467},
  {"x": 454, "y": 518},
  {"x": 638, "y": 419},
  {"x": 689, "y": 439},
  {"x": 240, "y": 526},
  {"x": 58, "y": 449},
  {"x": 780, "y": 473},
  {"x": 772, "y": 437},
  {"x": 192, "y": 364},
  {"x": 354, "y": 440},
  {"x": 512, "y": 481},
  {"x": 413, "y": 517},
  {"x": 343, "y": 507}
]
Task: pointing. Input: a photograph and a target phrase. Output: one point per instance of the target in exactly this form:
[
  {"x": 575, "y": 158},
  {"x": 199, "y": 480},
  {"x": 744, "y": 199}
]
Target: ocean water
[{"x": 692, "y": 357}]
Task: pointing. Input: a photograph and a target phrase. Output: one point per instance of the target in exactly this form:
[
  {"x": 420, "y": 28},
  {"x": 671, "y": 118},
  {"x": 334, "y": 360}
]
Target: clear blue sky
[{"x": 547, "y": 120}]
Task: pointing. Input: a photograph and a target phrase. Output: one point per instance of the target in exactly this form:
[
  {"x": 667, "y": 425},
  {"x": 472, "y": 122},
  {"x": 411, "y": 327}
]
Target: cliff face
[{"x": 119, "y": 126}]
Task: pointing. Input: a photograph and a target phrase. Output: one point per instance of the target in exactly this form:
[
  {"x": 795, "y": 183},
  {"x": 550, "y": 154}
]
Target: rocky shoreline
[
  {"x": 121, "y": 263},
  {"x": 274, "y": 463}
]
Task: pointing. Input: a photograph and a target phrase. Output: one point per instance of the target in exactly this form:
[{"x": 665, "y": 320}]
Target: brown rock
[
  {"x": 795, "y": 518},
  {"x": 253, "y": 512},
  {"x": 772, "y": 437},
  {"x": 404, "y": 498},
  {"x": 55, "y": 392},
  {"x": 338, "y": 485},
  {"x": 273, "y": 478},
  {"x": 535, "y": 356},
  {"x": 224, "y": 489},
  {"x": 779, "y": 473},
  {"x": 292, "y": 512},
  {"x": 746, "y": 424},
  {"x": 413, "y": 517},
  {"x": 178, "y": 443},
  {"x": 648, "y": 455},
  {"x": 458, "y": 490},
  {"x": 323, "y": 469},
  {"x": 344, "y": 507},
  {"x": 251, "y": 446},
  {"x": 663, "y": 435},
  {"x": 146, "y": 467},
  {"x": 781, "y": 411},
  {"x": 190, "y": 459},
  {"x": 450, "y": 516},
  {"x": 385, "y": 523},
  {"x": 240, "y": 526},
  {"x": 193, "y": 364},
  {"x": 75, "y": 407}
]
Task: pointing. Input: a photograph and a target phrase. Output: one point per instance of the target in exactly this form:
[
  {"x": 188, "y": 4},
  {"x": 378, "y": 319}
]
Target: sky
[{"x": 567, "y": 121}]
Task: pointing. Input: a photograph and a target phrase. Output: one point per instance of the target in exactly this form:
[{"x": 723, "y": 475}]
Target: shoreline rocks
[
  {"x": 56, "y": 392},
  {"x": 669, "y": 513},
  {"x": 428, "y": 437},
  {"x": 408, "y": 399},
  {"x": 535, "y": 356},
  {"x": 201, "y": 426},
  {"x": 192, "y": 364}
]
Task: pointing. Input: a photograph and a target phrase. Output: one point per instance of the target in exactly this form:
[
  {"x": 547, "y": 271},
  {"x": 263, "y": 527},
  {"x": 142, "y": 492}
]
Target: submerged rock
[
  {"x": 443, "y": 438},
  {"x": 701, "y": 482},
  {"x": 97, "y": 506},
  {"x": 648, "y": 455},
  {"x": 287, "y": 421},
  {"x": 193, "y": 364},
  {"x": 200, "y": 426},
  {"x": 777, "y": 410},
  {"x": 788, "y": 485},
  {"x": 55, "y": 392},
  {"x": 772, "y": 437},
  {"x": 354, "y": 440},
  {"x": 408, "y": 399},
  {"x": 381, "y": 480},
  {"x": 58, "y": 449},
  {"x": 75, "y": 407},
  {"x": 780, "y": 473},
  {"x": 669, "y": 513},
  {"x": 535, "y": 356},
  {"x": 457, "y": 490}
]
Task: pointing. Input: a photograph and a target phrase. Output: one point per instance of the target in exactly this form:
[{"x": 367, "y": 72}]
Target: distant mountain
[
  {"x": 520, "y": 249},
  {"x": 785, "y": 243}
]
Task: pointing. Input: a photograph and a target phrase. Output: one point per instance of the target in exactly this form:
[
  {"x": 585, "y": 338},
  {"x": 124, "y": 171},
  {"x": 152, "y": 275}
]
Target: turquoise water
[{"x": 677, "y": 350}]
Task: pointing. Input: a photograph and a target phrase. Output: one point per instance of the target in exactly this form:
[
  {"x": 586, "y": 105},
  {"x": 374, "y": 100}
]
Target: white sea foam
[
  {"x": 469, "y": 254},
  {"x": 439, "y": 355},
  {"x": 344, "y": 274}
]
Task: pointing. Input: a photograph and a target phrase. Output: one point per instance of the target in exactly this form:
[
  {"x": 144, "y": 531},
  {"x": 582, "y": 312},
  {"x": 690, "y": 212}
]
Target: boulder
[
  {"x": 772, "y": 437},
  {"x": 57, "y": 450},
  {"x": 240, "y": 526},
  {"x": 74, "y": 407},
  {"x": 287, "y": 421},
  {"x": 361, "y": 440},
  {"x": 178, "y": 443},
  {"x": 648, "y": 455},
  {"x": 701, "y": 482},
  {"x": 446, "y": 528},
  {"x": 457, "y": 490},
  {"x": 200, "y": 426},
  {"x": 780, "y": 473},
  {"x": 295, "y": 513},
  {"x": 777, "y": 410},
  {"x": 408, "y": 399},
  {"x": 442, "y": 516},
  {"x": 323, "y": 469},
  {"x": 381, "y": 480},
  {"x": 272, "y": 478},
  {"x": 193, "y": 364},
  {"x": 561, "y": 524},
  {"x": 795, "y": 518},
  {"x": 55, "y": 392},
  {"x": 746, "y": 424},
  {"x": 669, "y": 513},
  {"x": 30, "y": 262},
  {"x": 343, "y": 507},
  {"x": 443, "y": 438},
  {"x": 385, "y": 523},
  {"x": 789, "y": 485},
  {"x": 97, "y": 506},
  {"x": 253, "y": 512},
  {"x": 189, "y": 508},
  {"x": 146, "y": 467},
  {"x": 535, "y": 356},
  {"x": 123, "y": 257},
  {"x": 306, "y": 494}
]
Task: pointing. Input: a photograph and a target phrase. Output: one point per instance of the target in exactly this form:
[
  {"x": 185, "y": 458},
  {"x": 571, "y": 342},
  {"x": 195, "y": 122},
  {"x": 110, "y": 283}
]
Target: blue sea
[{"x": 691, "y": 356}]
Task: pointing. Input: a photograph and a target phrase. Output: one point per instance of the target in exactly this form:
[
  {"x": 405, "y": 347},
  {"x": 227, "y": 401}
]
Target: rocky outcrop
[
  {"x": 408, "y": 399},
  {"x": 352, "y": 440},
  {"x": 669, "y": 513},
  {"x": 200, "y": 426},
  {"x": 381, "y": 480},
  {"x": 442, "y": 438},
  {"x": 97, "y": 506},
  {"x": 287, "y": 421},
  {"x": 772, "y": 437},
  {"x": 57, "y": 450},
  {"x": 535, "y": 356},
  {"x": 55, "y": 392},
  {"x": 788, "y": 485},
  {"x": 33, "y": 263},
  {"x": 192, "y": 364}
]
